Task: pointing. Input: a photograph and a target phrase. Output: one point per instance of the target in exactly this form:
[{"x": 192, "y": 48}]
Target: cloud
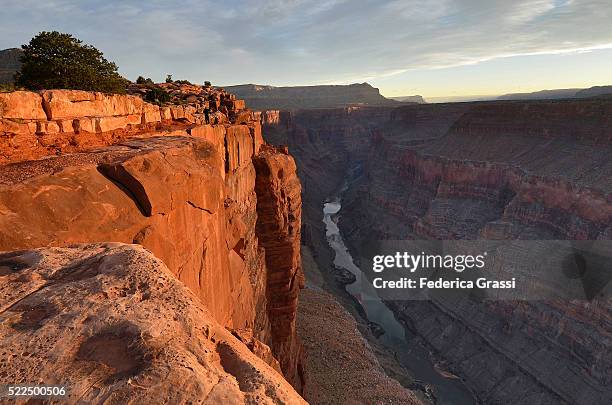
[
  {"x": 528, "y": 10},
  {"x": 311, "y": 41}
]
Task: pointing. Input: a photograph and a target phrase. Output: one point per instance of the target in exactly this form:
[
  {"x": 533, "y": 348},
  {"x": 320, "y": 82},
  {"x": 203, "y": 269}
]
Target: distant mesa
[
  {"x": 9, "y": 64},
  {"x": 262, "y": 97},
  {"x": 410, "y": 99},
  {"x": 596, "y": 91},
  {"x": 541, "y": 95}
]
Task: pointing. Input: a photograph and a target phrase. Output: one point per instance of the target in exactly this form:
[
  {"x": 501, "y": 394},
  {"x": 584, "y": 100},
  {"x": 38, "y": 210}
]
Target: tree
[
  {"x": 142, "y": 80},
  {"x": 53, "y": 60},
  {"x": 157, "y": 96},
  {"x": 168, "y": 78}
]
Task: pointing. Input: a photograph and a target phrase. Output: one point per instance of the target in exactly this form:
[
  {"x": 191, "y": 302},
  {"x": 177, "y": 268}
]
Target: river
[{"x": 411, "y": 353}]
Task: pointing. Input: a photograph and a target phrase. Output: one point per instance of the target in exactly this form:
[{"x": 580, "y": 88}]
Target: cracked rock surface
[{"x": 112, "y": 322}]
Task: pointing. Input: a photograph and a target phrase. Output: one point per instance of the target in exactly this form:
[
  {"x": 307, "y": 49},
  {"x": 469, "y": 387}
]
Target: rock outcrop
[
  {"x": 113, "y": 323},
  {"x": 34, "y": 125},
  {"x": 189, "y": 193},
  {"x": 279, "y": 208}
]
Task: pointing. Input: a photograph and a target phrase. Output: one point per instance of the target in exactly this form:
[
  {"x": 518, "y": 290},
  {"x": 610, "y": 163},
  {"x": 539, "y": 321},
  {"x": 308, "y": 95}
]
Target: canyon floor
[{"x": 332, "y": 336}]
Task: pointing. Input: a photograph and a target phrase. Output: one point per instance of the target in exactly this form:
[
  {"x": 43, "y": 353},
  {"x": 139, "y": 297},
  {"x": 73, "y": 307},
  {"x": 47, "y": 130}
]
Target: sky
[{"x": 433, "y": 48}]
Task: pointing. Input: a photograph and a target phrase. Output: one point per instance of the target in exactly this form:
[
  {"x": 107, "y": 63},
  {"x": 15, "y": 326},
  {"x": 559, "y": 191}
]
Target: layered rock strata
[
  {"x": 33, "y": 125},
  {"x": 503, "y": 170},
  {"x": 188, "y": 193},
  {"x": 279, "y": 208}
]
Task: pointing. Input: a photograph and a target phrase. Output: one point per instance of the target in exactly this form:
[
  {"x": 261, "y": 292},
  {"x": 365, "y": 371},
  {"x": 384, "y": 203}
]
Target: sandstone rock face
[
  {"x": 23, "y": 105},
  {"x": 164, "y": 193},
  {"x": 112, "y": 322},
  {"x": 85, "y": 119},
  {"x": 60, "y": 104},
  {"x": 270, "y": 117},
  {"x": 537, "y": 170},
  {"x": 185, "y": 192},
  {"x": 279, "y": 209}
]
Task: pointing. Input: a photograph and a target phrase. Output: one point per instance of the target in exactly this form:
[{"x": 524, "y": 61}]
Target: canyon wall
[
  {"x": 215, "y": 204},
  {"x": 503, "y": 170}
]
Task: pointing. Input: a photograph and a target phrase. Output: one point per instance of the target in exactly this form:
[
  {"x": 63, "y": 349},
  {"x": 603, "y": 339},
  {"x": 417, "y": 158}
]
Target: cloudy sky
[{"x": 428, "y": 47}]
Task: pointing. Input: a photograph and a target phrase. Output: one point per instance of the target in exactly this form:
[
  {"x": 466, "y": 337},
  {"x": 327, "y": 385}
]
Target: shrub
[
  {"x": 53, "y": 60},
  {"x": 169, "y": 79},
  {"x": 142, "y": 80},
  {"x": 207, "y": 84},
  {"x": 157, "y": 96},
  {"x": 4, "y": 87}
]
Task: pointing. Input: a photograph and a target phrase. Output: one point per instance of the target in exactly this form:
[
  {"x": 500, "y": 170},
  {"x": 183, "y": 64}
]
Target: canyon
[
  {"x": 536, "y": 170},
  {"x": 153, "y": 253},
  {"x": 197, "y": 253},
  {"x": 217, "y": 210}
]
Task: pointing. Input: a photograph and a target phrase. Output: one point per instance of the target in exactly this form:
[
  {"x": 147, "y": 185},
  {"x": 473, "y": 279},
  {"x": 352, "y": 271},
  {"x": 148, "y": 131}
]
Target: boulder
[
  {"x": 166, "y": 113},
  {"x": 85, "y": 125},
  {"x": 14, "y": 127},
  {"x": 150, "y": 114},
  {"x": 61, "y": 104},
  {"x": 24, "y": 105},
  {"x": 177, "y": 111},
  {"x": 238, "y": 104},
  {"x": 106, "y": 124},
  {"x": 66, "y": 125}
]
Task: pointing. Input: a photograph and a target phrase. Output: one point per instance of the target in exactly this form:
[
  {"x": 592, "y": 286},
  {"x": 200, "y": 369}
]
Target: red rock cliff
[{"x": 87, "y": 167}]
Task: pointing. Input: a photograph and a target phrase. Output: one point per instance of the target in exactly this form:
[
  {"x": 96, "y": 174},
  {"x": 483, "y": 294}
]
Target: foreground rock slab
[{"x": 112, "y": 322}]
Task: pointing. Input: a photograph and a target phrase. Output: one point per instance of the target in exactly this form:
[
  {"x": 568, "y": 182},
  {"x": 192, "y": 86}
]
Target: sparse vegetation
[
  {"x": 4, "y": 87},
  {"x": 157, "y": 95},
  {"x": 142, "y": 80},
  {"x": 170, "y": 80},
  {"x": 54, "y": 60},
  {"x": 207, "y": 84}
]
